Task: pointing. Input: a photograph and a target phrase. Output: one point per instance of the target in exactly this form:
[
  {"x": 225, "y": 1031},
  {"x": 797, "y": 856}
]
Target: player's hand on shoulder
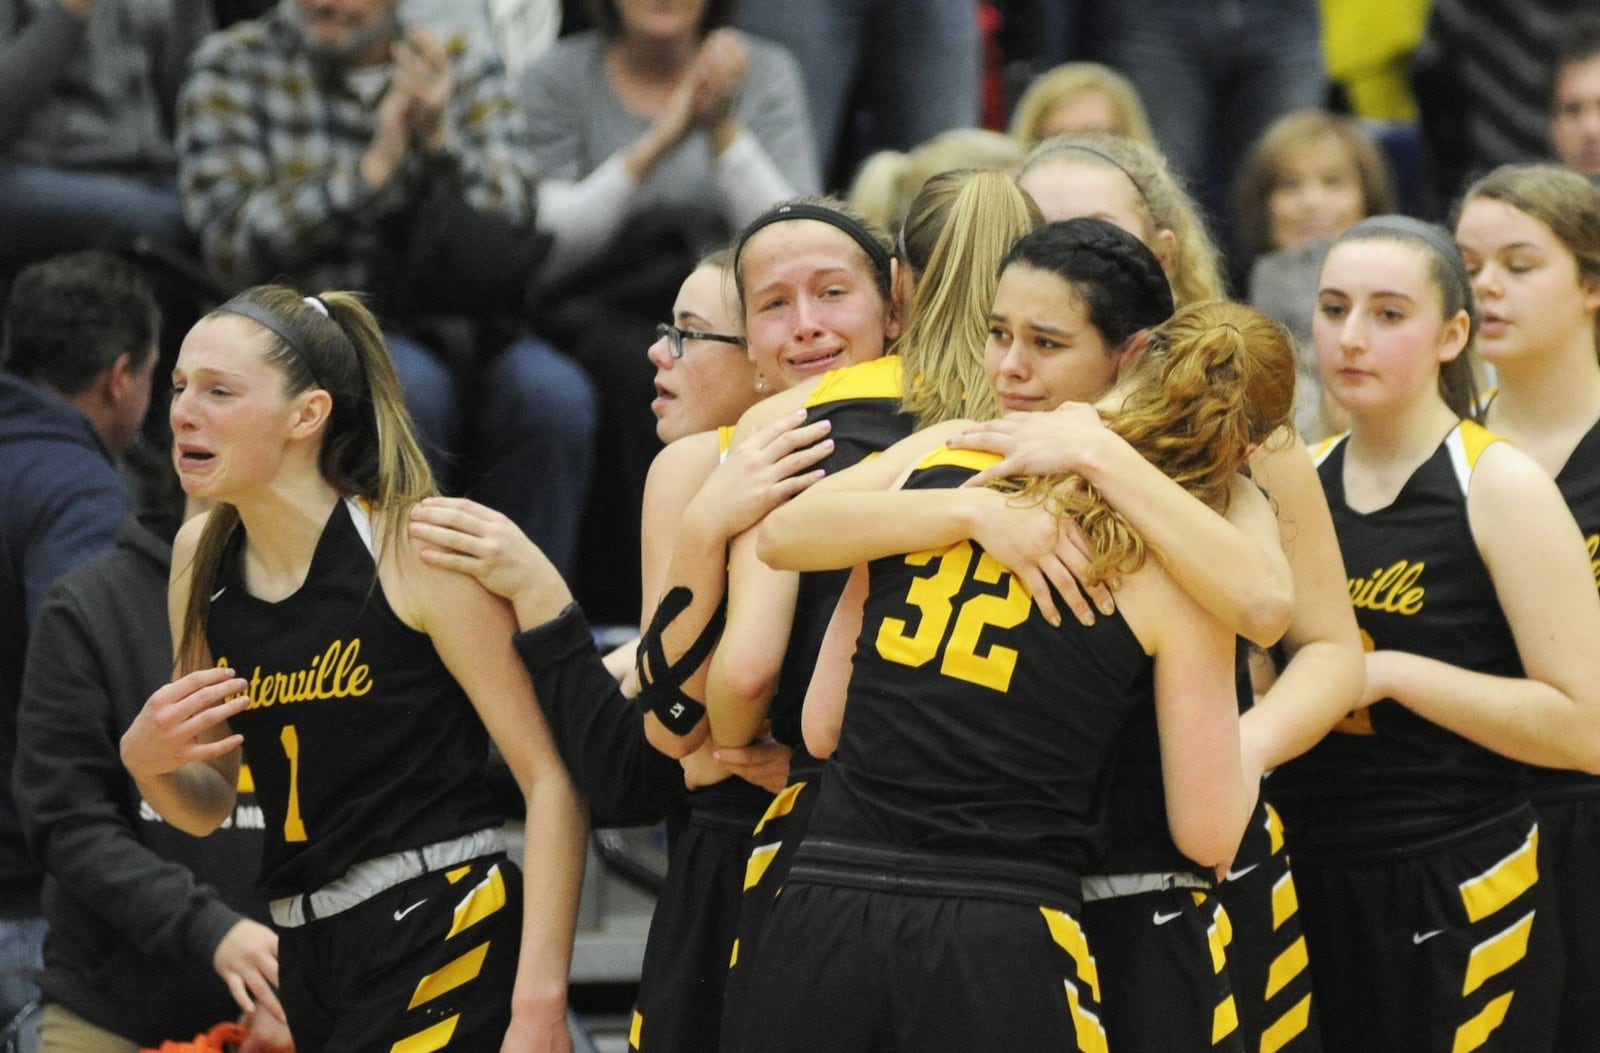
[
  {"x": 455, "y": 534},
  {"x": 763, "y": 471},
  {"x": 1032, "y": 443}
]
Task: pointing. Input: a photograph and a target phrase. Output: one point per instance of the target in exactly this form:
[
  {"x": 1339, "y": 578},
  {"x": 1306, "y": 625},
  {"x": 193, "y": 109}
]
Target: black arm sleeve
[{"x": 598, "y": 731}]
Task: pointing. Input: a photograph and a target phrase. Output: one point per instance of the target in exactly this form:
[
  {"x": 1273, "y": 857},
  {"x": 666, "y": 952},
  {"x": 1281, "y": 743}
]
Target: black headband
[
  {"x": 275, "y": 325},
  {"x": 838, "y": 220},
  {"x": 1435, "y": 237}
]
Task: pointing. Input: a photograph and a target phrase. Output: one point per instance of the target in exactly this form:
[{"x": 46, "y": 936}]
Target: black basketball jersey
[
  {"x": 973, "y": 727},
  {"x": 1579, "y": 483},
  {"x": 360, "y": 741},
  {"x": 1418, "y": 584},
  {"x": 863, "y": 402},
  {"x": 1132, "y": 833}
]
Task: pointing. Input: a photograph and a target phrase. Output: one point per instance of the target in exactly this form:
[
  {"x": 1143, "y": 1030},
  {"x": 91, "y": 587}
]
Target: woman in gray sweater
[{"x": 658, "y": 133}]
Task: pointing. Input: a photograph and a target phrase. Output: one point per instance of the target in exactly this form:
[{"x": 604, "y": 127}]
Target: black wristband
[{"x": 677, "y": 712}]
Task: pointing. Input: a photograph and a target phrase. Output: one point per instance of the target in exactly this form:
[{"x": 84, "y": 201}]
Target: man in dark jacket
[
  {"x": 79, "y": 350},
  {"x": 149, "y": 927}
]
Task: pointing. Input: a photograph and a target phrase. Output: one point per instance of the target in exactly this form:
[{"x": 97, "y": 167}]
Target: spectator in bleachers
[
  {"x": 1308, "y": 178},
  {"x": 1212, "y": 77},
  {"x": 665, "y": 109},
  {"x": 328, "y": 144},
  {"x": 1482, "y": 78},
  {"x": 1080, "y": 97},
  {"x": 913, "y": 68},
  {"x": 1575, "y": 103},
  {"x": 87, "y": 89},
  {"x": 519, "y": 31},
  {"x": 658, "y": 133},
  {"x": 80, "y": 345},
  {"x": 149, "y": 928}
]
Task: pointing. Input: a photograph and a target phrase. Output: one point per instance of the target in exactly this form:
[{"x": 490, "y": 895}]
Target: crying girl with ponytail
[{"x": 365, "y": 688}]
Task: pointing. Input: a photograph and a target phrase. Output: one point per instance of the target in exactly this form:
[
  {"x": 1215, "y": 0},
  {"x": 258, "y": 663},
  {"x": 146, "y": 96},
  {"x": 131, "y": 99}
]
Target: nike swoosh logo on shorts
[
  {"x": 1424, "y": 937},
  {"x": 1235, "y": 875},
  {"x": 1162, "y": 919},
  {"x": 399, "y": 914}
]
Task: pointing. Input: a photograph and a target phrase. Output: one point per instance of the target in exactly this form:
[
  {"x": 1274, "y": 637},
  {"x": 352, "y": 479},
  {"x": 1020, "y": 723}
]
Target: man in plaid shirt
[{"x": 308, "y": 139}]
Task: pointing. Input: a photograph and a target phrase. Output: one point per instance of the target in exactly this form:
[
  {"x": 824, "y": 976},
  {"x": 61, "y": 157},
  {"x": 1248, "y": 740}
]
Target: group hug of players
[{"x": 981, "y": 729}]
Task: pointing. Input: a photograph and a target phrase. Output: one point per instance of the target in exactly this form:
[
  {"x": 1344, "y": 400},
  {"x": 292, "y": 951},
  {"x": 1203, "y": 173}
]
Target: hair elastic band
[
  {"x": 274, "y": 325},
  {"x": 1435, "y": 237},
  {"x": 838, "y": 220},
  {"x": 316, "y": 302},
  {"x": 1056, "y": 149}
]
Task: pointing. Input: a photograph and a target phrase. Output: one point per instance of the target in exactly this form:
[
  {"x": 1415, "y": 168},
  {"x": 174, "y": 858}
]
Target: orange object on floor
[{"x": 223, "y": 1038}]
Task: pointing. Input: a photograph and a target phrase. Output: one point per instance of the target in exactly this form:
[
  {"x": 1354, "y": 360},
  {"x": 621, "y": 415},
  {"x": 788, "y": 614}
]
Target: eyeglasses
[{"x": 676, "y": 336}]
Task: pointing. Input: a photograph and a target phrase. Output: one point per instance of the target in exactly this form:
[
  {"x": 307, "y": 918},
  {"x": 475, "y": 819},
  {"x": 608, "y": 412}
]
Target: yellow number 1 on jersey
[{"x": 294, "y": 829}]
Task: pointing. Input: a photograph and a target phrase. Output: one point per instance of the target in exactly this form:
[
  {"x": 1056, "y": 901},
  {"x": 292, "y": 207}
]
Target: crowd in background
[{"x": 524, "y": 190}]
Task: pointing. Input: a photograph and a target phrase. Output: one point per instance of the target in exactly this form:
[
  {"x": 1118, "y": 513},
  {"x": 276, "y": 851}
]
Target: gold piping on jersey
[
  {"x": 1285, "y": 901},
  {"x": 361, "y": 516},
  {"x": 488, "y": 897},
  {"x": 1274, "y": 827},
  {"x": 781, "y": 805},
  {"x": 1475, "y": 1032},
  {"x": 1498, "y": 953},
  {"x": 462, "y": 970},
  {"x": 760, "y": 859},
  {"x": 1286, "y": 966},
  {"x": 428, "y": 1039},
  {"x": 1287, "y": 1027},
  {"x": 877, "y": 379},
  {"x": 950, "y": 456},
  {"x": 1505, "y": 881},
  {"x": 1320, "y": 451},
  {"x": 1068, "y": 935},
  {"x": 1466, "y": 444}
]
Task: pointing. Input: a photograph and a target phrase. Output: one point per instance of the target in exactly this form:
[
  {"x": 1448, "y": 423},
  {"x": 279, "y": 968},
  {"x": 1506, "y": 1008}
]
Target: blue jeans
[
  {"x": 45, "y": 211},
  {"x": 1214, "y": 75},
  {"x": 21, "y": 960},
  {"x": 918, "y": 62},
  {"x": 527, "y": 446}
]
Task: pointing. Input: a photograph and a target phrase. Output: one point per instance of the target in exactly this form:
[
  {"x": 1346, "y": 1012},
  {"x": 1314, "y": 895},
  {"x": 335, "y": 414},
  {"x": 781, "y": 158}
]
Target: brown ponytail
[
  {"x": 369, "y": 449},
  {"x": 1216, "y": 380}
]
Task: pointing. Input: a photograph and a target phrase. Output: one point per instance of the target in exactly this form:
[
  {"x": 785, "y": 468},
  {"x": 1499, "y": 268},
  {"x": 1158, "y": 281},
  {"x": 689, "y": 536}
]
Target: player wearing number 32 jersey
[{"x": 933, "y": 903}]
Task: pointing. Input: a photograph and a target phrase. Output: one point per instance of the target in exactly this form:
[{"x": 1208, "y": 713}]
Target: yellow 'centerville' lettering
[
  {"x": 1393, "y": 589},
  {"x": 336, "y": 673}
]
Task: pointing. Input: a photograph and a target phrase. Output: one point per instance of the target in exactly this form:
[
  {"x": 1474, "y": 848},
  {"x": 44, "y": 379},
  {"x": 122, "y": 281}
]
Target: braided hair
[{"x": 1120, "y": 280}]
